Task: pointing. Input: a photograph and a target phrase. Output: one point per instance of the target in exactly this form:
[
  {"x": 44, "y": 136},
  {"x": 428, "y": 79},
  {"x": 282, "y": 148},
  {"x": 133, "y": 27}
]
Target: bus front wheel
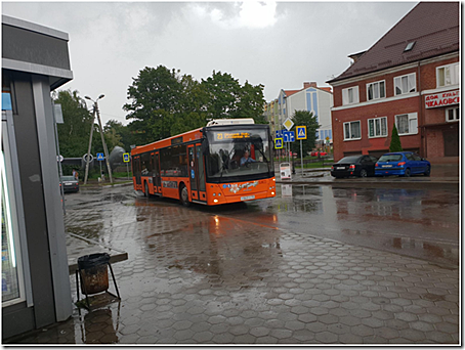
[
  {"x": 184, "y": 195},
  {"x": 146, "y": 193}
]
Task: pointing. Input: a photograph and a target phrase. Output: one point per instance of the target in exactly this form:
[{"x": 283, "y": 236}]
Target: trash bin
[{"x": 94, "y": 272}]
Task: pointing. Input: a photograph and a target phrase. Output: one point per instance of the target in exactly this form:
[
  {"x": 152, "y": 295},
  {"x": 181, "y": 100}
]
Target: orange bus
[{"x": 208, "y": 165}]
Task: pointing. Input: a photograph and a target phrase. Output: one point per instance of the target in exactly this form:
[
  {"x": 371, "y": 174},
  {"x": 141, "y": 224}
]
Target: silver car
[{"x": 70, "y": 184}]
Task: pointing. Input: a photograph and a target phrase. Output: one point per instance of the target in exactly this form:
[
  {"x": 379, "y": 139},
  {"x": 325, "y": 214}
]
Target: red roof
[{"x": 433, "y": 26}]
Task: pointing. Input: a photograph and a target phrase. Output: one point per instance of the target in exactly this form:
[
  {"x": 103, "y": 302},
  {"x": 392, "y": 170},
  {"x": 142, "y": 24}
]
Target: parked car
[
  {"x": 402, "y": 164},
  {"x": 359, "y": 165},
  {"x": 70, "y": 184}
]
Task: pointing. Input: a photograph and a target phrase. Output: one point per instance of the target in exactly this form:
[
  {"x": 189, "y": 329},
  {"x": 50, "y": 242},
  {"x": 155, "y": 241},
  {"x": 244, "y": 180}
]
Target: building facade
[
  {"x": 35, "y": 276},
  {"x": 409, "y": 78},
  {"x": 317, "y": 100}
]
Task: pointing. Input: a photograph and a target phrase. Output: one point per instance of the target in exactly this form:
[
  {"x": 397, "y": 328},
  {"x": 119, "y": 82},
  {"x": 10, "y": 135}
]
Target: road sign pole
[
  {"x": 90, "y": 145},
  {"x": 127, "y": 168},
  {"x": 301, "y": 158}
]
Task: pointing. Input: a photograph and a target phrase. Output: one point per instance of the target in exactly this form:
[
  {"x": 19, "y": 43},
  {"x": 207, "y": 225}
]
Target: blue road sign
[
  {"x": 301, "y": 132},
  {"x": 278, "y": 143},
  {"x": 126, "y": 157},
  {"x": 279, "y": 133},
  {"x": 289, "y": 136},
  {"x": 100, "y": 156}
]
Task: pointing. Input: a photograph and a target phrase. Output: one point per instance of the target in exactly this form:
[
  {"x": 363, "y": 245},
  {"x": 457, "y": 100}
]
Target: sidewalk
[
  {"x": 253, "y": 284},
  {"x": 445, "y": 176}
]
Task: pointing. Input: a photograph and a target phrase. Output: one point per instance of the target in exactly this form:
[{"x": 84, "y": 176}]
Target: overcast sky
[{"x": 277, "y": 44}]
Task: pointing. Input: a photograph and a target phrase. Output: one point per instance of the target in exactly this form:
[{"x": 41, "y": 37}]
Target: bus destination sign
[{"x": 219, "y": 136}]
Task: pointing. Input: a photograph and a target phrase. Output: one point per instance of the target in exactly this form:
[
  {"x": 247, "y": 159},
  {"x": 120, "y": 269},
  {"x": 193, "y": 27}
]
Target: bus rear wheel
[{"x": 184, "y": 196}]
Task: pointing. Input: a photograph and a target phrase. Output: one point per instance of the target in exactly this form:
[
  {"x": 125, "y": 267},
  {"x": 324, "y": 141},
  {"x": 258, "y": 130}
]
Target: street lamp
[{"x": 105, "y": 149}]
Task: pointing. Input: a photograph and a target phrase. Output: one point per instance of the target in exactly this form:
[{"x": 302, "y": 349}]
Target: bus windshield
[{"x": 238, "y": 153}]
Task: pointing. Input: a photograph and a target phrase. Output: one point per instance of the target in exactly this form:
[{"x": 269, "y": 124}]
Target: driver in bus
[{"x": 246, "y": 158}]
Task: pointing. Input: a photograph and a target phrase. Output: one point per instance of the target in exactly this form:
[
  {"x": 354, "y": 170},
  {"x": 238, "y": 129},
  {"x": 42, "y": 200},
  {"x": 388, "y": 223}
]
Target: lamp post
[{"x": 105, "y": 149}]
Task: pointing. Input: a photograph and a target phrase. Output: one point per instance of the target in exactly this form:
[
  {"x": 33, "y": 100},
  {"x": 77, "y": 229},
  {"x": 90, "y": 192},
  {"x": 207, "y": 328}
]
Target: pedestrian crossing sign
[
  {"x": 126, "y": 157},
  {"x": 278, "y": 143},
  {"x": 301, "y": 132}
]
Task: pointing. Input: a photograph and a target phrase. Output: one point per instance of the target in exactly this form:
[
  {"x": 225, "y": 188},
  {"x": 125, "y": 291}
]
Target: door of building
[{"x": 451, "y": 142}]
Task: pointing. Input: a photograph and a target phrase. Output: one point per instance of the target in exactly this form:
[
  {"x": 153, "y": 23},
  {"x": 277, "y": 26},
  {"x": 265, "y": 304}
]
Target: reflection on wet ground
[{"x": 274, "y": 271}]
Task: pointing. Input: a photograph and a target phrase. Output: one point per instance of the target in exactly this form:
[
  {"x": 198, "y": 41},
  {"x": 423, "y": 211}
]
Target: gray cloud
[{"x": 302, "y": 41}]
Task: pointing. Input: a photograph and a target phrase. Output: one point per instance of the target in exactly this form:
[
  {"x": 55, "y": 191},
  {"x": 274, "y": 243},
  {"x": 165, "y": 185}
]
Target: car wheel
[
  {"x": 428, "y": 171},
  {"x": 407, "y": 172},
  {"x": 363, "y": 173},
  {"x": 184, "y": 196}
]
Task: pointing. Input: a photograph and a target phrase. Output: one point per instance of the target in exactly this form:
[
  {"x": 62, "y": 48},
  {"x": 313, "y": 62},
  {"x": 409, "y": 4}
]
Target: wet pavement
[{"x": 219, "y": 276}]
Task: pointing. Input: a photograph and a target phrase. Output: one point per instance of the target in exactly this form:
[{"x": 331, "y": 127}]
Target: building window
[
  {"x": 350, "y": 95},
  {"x": 352, "y": 131},
  {"x": 407, "y": 124},
  {"x": 405, "y": 84},
  {"x": 452, "y": 114},
  {"x": 377, "y": 127},
  {"x": 447, "y": 75},
  {"x": 376, "y": 90}
]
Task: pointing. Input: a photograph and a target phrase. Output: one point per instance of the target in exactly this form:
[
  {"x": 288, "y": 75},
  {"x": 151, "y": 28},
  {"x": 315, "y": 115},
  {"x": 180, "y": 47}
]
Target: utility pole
[
  {"x": 90, "y": 145},
  {"x": 105, "y": 148}
]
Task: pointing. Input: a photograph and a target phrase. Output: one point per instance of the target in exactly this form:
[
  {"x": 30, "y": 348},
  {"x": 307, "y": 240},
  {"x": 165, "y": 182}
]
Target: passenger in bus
[{"x": 246, "y": 158}]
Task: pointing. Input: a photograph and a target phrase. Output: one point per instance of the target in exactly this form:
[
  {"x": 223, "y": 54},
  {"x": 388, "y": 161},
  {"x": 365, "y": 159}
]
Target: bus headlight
[{"x": 215, "y": 200}]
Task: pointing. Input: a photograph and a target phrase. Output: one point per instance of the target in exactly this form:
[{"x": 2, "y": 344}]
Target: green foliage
[
  {"x": 304, "y": 118},
  {"x": 165, "y": 103},
  {"x": 395, "y": 145},
  {"x": 73, "y": 134}
]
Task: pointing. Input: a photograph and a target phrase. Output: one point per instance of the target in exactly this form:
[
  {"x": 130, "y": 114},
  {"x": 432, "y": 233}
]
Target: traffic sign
[
  {"x": 60, "y": 158},
  {"x": 278, "y": 143},
  {"x": 288, "y": 124},
  {"x": 84, "y": 157},
  {"x": 126, "y": 157},
  {"x": 279, "y": 133},
  {"x": 289, "y": 136},
  {"x": 301, "y": 132},
  {"x": 100, "y": 156}
]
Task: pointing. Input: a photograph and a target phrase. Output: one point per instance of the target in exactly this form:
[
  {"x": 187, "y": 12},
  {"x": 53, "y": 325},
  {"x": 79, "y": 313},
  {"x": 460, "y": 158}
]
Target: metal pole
[
  {"x": 105, "y": 149},
  {"x": 301, "y": 157},
  {"x": 60, "y": 169},
  {"x": 90, "y": 145}
]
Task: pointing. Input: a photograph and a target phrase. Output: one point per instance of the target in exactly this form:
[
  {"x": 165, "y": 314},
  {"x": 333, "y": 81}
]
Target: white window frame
[
  {"x": 350, "y": 126},
  {"x": 405, "y": 83},
  {"x": 450, "y": 75},
  {"x": 350, "y": 95},
  {"x": 412, "y": 124},
  {"x": 456, "y": 114},
  {"x": 378, "y": 127},
  {"x": 376, "y": 90}
]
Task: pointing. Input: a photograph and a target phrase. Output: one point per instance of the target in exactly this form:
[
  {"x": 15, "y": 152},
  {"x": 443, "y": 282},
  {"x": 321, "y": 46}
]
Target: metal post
[
  {"x": 105, "y": 149},
  {"x": 60, "y": 169},
  {"x": 90, "y": 145},
  {"x": 301, "y": 158}
]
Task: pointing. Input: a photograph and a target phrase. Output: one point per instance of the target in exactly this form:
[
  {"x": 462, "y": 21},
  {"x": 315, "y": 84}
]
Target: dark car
[
  {"x": 402, "y": 164},
  {"x": 70, "y": 184},
  {"x": 359, "y": 165}
]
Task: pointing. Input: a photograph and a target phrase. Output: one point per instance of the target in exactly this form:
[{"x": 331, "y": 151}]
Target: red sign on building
[{"x": 443, "y": 99}]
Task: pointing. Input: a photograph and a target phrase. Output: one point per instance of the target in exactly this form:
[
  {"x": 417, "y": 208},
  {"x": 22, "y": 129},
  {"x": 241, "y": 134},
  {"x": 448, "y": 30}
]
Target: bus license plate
[{"x": 246, "y": 198}]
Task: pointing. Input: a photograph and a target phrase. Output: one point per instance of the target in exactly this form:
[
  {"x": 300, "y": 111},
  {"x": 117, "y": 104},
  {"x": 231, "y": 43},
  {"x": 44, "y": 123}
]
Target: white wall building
[{"x": 311, "y": 98}]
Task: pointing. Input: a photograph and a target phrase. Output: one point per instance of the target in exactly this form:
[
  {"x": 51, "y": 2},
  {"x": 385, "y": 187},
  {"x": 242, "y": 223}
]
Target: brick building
[{"x": 410, "y": 77}]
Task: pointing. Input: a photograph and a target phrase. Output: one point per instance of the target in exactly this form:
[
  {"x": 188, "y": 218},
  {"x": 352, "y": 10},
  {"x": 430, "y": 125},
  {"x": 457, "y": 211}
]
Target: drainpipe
[{"x": 423, "y": 150}]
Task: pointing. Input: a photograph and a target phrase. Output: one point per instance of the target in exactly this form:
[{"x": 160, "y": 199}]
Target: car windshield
[
  {"x": 238, "y": 153},
  {"x": 390, "y": 158},
  {"x": 68, "y": 178},
  {"x": 351, "y": 159}
]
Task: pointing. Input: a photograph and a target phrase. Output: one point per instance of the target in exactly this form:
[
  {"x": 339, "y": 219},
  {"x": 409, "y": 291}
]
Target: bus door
[
  {"x": 197, "y": 173},
  {"x": 136, "y": 169},
  {"x": 156, "y": 173}
]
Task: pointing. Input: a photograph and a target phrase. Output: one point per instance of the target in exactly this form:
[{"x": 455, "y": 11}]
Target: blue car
[{"x": 402, "y": 164}]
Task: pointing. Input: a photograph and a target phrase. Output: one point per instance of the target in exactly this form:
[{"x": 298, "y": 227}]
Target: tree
[
  {"x": 73, "y": 134},
  {"x": 223, "y": 91},
  {"x": 395, "y": 145},
  {"x": 305, "y": 118},
  {"x": 250, "y": 103}
]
